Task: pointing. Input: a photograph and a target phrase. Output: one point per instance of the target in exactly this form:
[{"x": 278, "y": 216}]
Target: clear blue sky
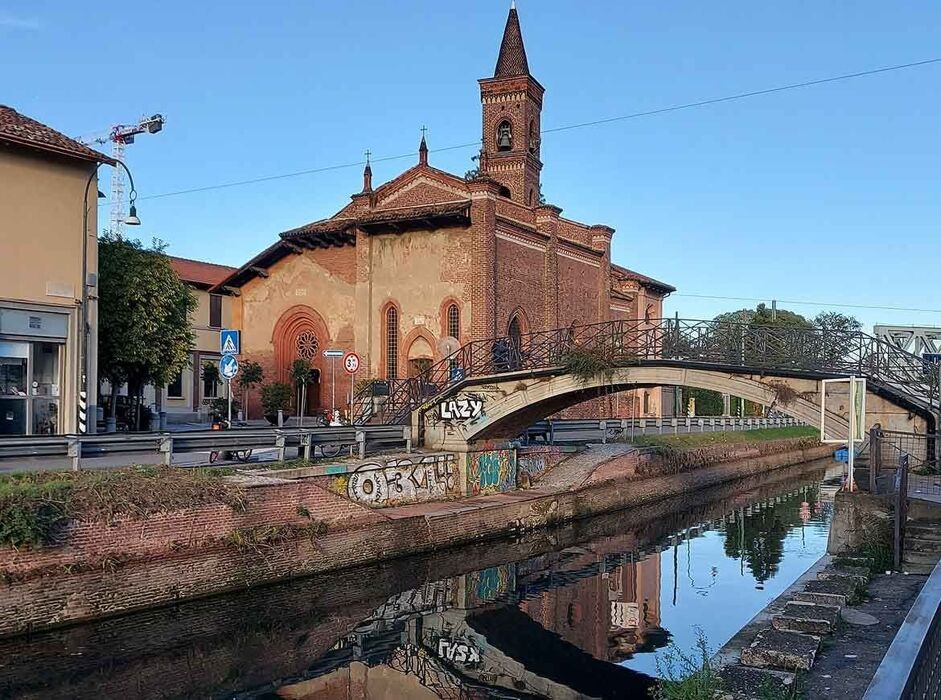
[{"x": 829, "y": 193}]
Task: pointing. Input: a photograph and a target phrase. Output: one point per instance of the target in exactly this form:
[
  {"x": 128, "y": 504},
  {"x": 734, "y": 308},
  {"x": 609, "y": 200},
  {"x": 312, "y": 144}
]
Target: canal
[{"x": 586, "y": 610}]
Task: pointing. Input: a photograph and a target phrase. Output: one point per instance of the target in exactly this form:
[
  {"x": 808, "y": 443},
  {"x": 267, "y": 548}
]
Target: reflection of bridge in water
[
  {"x": 523, "y": 379},
  {"x": 553, "y": 626},
  {"x": 313, "y": 637}
]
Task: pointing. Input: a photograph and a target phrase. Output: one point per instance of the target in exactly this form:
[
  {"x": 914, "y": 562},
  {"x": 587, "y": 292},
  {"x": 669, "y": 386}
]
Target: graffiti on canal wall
[
  {"x": 493, "y": 471},
  {"x": 489, "y": 584},
  {"x": 532, "y": 463},
  {"x": 404, "y": 481}
]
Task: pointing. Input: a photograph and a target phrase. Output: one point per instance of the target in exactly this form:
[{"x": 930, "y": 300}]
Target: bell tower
[{"x": 512, "y": 112}]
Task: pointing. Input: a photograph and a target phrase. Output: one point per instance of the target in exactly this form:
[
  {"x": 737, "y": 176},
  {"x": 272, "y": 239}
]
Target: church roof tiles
[{"x": 512, "y": 60}]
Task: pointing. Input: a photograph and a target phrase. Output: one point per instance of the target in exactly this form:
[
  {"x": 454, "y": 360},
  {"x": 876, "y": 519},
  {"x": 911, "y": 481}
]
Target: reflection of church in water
[{"x": 512, "y": 631}]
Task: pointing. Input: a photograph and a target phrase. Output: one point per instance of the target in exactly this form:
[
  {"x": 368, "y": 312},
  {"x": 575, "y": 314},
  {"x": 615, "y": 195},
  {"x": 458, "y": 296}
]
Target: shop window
[
  {"x": 175, "y": 388},
  {"x": 215, "y": 311}
]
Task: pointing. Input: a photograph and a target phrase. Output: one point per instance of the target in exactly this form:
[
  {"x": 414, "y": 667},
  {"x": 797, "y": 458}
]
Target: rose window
[{"x": 307, "y": 346}]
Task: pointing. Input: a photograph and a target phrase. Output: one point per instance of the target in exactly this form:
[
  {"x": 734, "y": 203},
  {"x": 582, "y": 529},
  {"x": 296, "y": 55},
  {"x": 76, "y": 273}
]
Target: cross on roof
[
  {"x": 368, "y": 153},
  {"x": 423, "y": 130}
]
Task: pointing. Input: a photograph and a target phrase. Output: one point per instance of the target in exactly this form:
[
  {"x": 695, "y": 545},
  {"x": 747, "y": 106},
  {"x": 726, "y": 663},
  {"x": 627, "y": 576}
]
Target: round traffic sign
[
  {"x": 228, "y": 367},
  {"x": 351, "y": 362}
]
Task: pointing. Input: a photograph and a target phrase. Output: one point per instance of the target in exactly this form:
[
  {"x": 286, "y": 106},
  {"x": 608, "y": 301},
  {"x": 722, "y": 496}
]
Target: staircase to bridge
[{"x": 494, "y": 388}]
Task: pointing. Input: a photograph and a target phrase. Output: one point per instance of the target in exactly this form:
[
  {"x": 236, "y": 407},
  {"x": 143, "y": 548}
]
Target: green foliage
[
  {"x": 219, "y": 407},
  {"x": 210, "y": 373},
  {"x": 276, "y": 396},
  {"x": 301, "y": 371},
  {"x": 249, "y": 377},
  {"x": 687, "y": 675},
  {"x": 144, "y": 314},
  {"x": 708, "y": 403},
  {"x": 250, "y": 374},
  {"x": 584, "y": 363}
]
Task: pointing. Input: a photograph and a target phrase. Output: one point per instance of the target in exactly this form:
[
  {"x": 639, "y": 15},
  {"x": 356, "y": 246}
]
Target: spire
[
  {"x": 423, "y": 148},
  {"x": 512, "y": 61},
  {"x": 367, "y": 175}
]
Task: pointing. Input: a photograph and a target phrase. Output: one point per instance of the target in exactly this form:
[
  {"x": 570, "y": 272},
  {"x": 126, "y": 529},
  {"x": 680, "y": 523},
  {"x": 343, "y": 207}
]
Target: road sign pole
[
  {"x": 333, "y": 386},
  {"x": 228, "y": 391}
]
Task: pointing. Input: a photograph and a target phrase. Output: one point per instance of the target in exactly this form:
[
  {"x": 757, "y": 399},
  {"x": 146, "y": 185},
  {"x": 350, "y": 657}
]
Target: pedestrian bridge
[{"x": 494, "y": 389}]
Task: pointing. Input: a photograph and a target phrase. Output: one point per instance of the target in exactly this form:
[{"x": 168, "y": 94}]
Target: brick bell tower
[{"x": 512, "y": 112}]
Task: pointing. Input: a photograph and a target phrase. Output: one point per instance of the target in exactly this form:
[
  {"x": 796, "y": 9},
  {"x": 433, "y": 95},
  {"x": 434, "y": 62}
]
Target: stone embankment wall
[{"x": 294, "y": 529}]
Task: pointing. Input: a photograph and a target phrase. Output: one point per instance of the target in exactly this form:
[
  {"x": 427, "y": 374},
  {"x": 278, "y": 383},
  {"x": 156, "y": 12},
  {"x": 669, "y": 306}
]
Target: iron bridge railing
[{"x": 782, "y": 349}]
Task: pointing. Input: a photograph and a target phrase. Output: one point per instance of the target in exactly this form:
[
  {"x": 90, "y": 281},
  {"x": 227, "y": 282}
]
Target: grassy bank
[
  {"x": 691, "y": 441},
  {"x": 36, "y": 507}
]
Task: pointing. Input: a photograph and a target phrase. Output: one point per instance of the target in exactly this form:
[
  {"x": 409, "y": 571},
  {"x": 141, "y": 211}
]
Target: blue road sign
[
  {"x": 228, "y": 367},
  {"x": 230, "y": 342}
]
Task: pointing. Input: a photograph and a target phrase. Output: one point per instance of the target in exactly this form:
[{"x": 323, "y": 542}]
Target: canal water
[{"x": 589, "y": 610}]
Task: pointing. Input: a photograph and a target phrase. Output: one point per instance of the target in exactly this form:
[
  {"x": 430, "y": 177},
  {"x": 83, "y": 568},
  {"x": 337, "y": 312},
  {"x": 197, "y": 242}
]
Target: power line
[
  {"x": 569, "y": 127},
  {"x": 809, "y": 303}
]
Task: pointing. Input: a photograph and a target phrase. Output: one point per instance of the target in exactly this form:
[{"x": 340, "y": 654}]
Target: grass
[
  {"x": 264, "y": 538},
  {"x": 687, "y": 676},
  {"x": 36, "y": 507},
  {"x": 686, "y": 441}
]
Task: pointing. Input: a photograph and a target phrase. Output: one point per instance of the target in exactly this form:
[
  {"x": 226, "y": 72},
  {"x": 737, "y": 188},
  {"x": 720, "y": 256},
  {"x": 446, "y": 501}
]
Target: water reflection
[{"x": 580, "y": 612}]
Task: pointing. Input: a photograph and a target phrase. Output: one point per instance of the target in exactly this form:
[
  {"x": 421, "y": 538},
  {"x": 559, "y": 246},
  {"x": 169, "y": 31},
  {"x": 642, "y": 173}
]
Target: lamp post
[{"x": 90, "y": 410}]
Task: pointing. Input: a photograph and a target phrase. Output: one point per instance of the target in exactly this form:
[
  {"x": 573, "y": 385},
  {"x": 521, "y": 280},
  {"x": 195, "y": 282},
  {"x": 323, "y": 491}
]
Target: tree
[
  {"x": 251, "y": 375},
  {"x": 275, "y": 397},
  {"x": 144, "y": 317},
  {"x": 301, "y": 373}
]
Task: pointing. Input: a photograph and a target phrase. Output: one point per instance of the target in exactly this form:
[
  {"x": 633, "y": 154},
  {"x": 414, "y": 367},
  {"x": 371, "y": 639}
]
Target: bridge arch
[{"x": 511, "y": 404}]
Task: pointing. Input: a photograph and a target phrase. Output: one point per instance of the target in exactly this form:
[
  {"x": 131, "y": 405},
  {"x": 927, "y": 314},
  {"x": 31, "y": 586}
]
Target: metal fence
[
  {"x": 166, "y": 445},
  {"x": 920, "y": 450},
  {"x": 621, "y": 343},
  {"x": 554, "y": 431},
  {"x": 911, "y": 668}
]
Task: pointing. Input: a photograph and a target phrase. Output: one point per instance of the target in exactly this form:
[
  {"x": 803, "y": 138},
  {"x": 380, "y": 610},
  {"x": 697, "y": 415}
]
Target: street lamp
[{"x": 91, "y": 421}]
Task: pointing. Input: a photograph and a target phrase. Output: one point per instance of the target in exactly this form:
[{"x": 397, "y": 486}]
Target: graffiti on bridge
[
  {"x": 458, "y": 651},
  {"x": 462, "y": 408},
  {"x": 489, "y": 584}
]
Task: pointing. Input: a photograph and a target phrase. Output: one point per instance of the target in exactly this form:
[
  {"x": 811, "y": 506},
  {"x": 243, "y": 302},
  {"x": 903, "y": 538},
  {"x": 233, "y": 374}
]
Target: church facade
[{"x": 431, "y": 255}]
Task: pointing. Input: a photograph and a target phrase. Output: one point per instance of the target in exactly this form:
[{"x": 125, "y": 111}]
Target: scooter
[{"x": 240, "y": 455}]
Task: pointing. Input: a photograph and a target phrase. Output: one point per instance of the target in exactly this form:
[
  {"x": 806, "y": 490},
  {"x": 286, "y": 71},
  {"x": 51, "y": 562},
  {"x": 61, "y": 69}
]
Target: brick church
[{"x": 430, "y": 254}]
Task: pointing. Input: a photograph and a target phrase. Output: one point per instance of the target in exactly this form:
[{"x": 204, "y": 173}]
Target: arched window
[
  {"x": 533, "y": 137},
  {"x": 505, "y": 192},
  {"x": 515, "y": 331},
  {"x": 531, "y": 197},
  {"x": 454, "y": 321},
  {"x": 505, "y": 136},
  {"x": 648, "y": 312},
  {"x": 392, "y": 343}
]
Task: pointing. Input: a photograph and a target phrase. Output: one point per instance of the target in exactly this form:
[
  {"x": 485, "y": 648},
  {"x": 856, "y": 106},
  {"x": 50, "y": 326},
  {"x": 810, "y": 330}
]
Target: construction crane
[{"x": 120, "y": 136}]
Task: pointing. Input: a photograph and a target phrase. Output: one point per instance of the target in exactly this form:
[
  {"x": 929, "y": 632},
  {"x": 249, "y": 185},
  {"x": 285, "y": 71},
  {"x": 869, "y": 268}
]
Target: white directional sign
[
  {"x": 351, "y": 362},
  {"x": 333, "y": 353},
  {"x": 228, "y": 367},
  {"x": 230, "y": 342}
]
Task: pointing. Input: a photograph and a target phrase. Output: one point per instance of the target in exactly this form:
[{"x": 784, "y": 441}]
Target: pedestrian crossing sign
[{"x": 230, "y": 342}]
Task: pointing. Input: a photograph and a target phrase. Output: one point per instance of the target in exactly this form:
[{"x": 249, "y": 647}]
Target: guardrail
[
  {"x": 552, "y": 431},
  {"x": 911, "y": 668},
  {"x": 79, "y": 447}
]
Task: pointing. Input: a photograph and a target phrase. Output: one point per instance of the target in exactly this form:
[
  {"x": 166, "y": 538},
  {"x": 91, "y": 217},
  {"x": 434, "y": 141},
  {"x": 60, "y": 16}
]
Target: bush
[
  {"x": 585, "y": 363},
  {"x": 276, "y": 397}
]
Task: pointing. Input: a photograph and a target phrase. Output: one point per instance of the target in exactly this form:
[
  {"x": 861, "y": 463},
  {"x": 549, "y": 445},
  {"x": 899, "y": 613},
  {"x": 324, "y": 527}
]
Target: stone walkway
[
  {"x": 576, "y": 470},
  {"x": 845, "y": 666}
]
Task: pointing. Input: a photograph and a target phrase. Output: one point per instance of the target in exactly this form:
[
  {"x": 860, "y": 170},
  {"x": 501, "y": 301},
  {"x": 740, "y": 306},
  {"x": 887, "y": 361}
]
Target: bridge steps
[
  {"x": 767, "y": 666},
  {"x": 922, "y": 549}
]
